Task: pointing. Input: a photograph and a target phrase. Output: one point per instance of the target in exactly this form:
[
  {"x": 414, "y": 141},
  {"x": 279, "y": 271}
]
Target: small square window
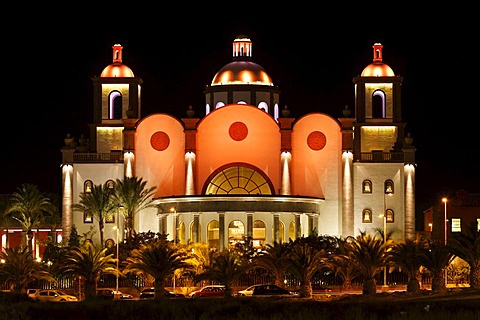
[{"x": 456, "y": 225}]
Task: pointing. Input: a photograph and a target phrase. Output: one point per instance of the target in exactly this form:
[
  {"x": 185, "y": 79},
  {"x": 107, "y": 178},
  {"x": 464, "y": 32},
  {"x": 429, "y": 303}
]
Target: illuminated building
[{"x": 246, "y": 168}]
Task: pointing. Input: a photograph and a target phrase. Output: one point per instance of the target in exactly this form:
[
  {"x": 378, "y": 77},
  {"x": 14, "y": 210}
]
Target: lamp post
[
  {"x": 387, "y": 192},
  {"x": 444, "y": 200},
  {"x": 173, "y": 210},
  {"x": 117, "y": 227}
]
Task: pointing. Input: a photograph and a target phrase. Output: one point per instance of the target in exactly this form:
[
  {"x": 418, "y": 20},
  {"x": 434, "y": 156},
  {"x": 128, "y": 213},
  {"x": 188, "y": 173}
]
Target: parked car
[
  {"x": 265, "y": 290},
  {"x": 31, "y": 292},
  {"x": 149, "y": 293},
  {"x": 209, "y": 291},
  {"x": 111, "y": 294},
  {"x": 53, "y": 295}
]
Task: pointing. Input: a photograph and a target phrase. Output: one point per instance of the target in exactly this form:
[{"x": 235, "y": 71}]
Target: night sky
[{"x": 49, "y": 58}]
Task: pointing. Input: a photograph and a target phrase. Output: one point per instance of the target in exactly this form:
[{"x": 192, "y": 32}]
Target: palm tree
[
  {"x": 19, "y": 269},
  {"x": 28, "y": 206},
  {"x": 342, "y": 263},
  {"x": 133, "y": 195},
  {"x": 435, "y": 257},
  {"x": 225, "y": 267},
  {"x": 305, "y": 257},
  {"x": 404, "y": 256},
  {"x": 53, "y": 218},
  {"x": 271, "y": 259},
  {"x": 466, "y": 246},
  {"x": 368, "y": 256},
  {"x": 89, "y": 263},
  {"x": 157, "y": 259},
  {"x": 98, "y": 203},
  {"x": 5, "y": 217}
]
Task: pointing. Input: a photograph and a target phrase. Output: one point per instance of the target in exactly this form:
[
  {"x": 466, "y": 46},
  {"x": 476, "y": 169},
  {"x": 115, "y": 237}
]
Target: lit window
[
  {"x": 390, "y": 216},
  {"x": 87, "y": 186},
  {"x": 389, "y": 187},
  {"x": 87, "y": 217},
  {"x": 110, "y": 218},
  {"x": 478, "y": 224},
  {"x": 367, "y": 186},
  {"x": 456, "y": 225},
  {"x": 110, "y": 184},
  {"x": 367, "y": 216}
]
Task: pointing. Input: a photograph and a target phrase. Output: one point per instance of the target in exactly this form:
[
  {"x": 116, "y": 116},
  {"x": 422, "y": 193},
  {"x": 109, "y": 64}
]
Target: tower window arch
[
  {"x": 263, "y": 106},
  {"x": 115, "y": 105},
  {"x": 378, "y": 104}
]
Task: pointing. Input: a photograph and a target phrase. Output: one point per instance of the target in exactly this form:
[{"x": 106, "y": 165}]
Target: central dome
[{"x": 242, "y": 72}]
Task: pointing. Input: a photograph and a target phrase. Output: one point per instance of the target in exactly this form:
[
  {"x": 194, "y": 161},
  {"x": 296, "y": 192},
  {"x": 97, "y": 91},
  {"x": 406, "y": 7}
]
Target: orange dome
[
  {"x": 242, "y": 72},
  {"x": 377, "y": 68},
  {"x": 117, "y": 69}
]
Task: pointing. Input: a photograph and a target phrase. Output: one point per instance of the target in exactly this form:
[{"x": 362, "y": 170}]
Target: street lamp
[
  {"x": 117, "y": 227},
  {"x": 387, "y": 192},
  {"x": 444, "y": 200},
  {"x": 173, "y": 210}
]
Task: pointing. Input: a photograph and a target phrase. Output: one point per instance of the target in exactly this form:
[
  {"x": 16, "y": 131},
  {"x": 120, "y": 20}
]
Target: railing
[
  {"x": 380, "y": 156},
  {"x": 116, "y": 156}
]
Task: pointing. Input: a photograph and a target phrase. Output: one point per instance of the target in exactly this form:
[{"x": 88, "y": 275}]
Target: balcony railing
[
  {"x": 379, "y": 156},
  {"x": 116, "y": 156}
]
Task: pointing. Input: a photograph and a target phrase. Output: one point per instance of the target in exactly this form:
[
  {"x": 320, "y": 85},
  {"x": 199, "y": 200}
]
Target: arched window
[
  {"x": 192, "y": 226},
  {"x": 258, "y": 233},
  {"x": 390, "y": 216},
  {"x": 389, "y": 187},
  {"x": 281, "y": 232},
  {"x": 219, "y": 105},
  {"x": 291, "y": 231},
  {"x": 87, "y": 217},
  {"x": 367, "y": 186},
  {"x": 367, "y": 216},
  {"x": 236, "y": 232},
  {"x": 87, "y": 186},
  {"x": 378, "y": 104},
  {"x": 115, "y": 105},
  {"x": 110, "y": 184},
  {"x": 213, "y": 234},
  {"x": 181, "y": 233},
  {"x": 263, "y": 106},
  {"x": 238, "y": 179}
]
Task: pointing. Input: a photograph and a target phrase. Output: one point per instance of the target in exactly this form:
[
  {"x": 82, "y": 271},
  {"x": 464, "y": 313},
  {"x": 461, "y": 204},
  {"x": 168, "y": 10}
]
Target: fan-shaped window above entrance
[{"x": 239, "y": 179}]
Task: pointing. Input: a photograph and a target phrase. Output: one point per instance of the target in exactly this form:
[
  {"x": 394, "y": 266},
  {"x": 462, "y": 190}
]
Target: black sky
[{"x": 312, "y": 54}]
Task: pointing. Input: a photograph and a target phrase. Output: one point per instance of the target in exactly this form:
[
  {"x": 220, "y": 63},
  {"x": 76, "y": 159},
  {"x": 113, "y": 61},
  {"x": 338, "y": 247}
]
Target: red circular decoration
[
  {"x": 238, "y": 131},
  {"x": 160, "y": 141},
  {"x": 316, "y": 140}
]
